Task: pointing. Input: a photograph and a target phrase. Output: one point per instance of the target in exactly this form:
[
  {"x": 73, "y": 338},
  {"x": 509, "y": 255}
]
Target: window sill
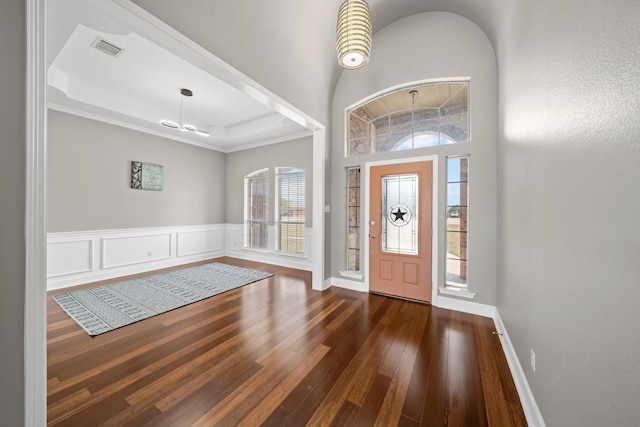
[
  {"x": 247, "y": 248},
  {"x": 268, "y": 251},
  {"x": 351, "y": 274},
  {"x": 457, "y": 292},
  {"x": 290, "y": 254}
]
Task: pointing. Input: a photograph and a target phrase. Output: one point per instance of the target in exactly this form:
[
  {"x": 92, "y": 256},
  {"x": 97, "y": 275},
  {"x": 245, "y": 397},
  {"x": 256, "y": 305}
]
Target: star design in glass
[{"x": 398, "y": 214}]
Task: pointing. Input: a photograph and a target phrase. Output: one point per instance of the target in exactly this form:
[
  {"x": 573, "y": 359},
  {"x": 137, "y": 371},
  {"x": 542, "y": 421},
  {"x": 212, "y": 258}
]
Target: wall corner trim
[{"x": 529, "y": 405}]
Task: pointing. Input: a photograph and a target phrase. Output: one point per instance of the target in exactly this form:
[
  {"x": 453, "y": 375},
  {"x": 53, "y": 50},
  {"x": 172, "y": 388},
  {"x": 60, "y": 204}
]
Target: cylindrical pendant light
[{"x": 353, "y": 34}]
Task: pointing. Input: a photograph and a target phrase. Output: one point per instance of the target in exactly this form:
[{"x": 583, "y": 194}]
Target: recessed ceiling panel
[{"x": 141, "y": 84}]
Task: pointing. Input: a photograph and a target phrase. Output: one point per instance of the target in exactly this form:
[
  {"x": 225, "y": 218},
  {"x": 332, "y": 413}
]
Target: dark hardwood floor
[{"x": 277, "y": 353}]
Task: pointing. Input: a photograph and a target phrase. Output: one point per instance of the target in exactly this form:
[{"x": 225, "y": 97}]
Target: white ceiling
[
  {"x": 141, "y": 86},
  {"x": 289, "y": 46}
]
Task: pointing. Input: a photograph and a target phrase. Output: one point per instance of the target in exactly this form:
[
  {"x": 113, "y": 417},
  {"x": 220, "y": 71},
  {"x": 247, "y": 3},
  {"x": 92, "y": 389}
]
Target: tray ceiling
[{"x": 141, "y": 85}]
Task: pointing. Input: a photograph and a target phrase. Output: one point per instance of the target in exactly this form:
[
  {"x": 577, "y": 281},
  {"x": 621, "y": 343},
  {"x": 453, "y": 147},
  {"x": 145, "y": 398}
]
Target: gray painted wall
[
  {"x": 296, "y": 153},
  {"x": 464, "y": 52},
  {"x": 569, "y": 205},
  {"x": 12, "y": 210},
  {"x": 88, "y": 178}
]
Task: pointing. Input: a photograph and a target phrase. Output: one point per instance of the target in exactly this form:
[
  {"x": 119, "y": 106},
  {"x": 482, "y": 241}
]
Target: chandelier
[
  {"x": 353, "y": 34},
  {"x": 186, "y": 93}
]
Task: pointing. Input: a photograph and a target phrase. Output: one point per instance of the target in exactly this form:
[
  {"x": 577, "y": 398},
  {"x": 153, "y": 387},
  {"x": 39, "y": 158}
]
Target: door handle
[{"x": 373, "y": 236}]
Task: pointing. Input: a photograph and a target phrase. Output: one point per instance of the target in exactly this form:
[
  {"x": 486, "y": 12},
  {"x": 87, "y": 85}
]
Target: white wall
[
  {"x": 569, "y": 205},
  {"x": 89, "y": 174},
  {"x": 429, "y": 46}
]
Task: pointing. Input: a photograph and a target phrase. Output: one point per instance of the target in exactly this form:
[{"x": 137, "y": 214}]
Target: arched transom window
[{"x": 415, "y": 117}]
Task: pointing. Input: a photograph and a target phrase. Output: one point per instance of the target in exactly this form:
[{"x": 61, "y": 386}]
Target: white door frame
[
  {"x": 434, "y": 224},
  {"x": 35, "y": 307}
]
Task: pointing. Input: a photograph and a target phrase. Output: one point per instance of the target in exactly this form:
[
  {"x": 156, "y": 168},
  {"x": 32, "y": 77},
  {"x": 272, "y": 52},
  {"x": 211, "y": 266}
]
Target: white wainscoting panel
[
  {"x": 308, "y": 244},
  {"x": 75, "y": 258},
  {"x": 82, "y": 257},
  {"x": 197, "y": 242},
  {"x": 69, "y": 257},
  {"x": 234, "y": 237},
  {"x": 128, "y": 250}
]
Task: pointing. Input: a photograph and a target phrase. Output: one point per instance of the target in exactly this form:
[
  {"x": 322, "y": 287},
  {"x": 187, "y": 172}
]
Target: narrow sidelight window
[
  {"x": 457, "y": 217},
  {"x": 353, "y": 218}
]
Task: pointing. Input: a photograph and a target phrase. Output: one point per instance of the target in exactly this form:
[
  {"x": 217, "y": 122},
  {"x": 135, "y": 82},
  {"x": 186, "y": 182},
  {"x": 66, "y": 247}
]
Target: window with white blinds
[
  {"x": 256, "y": 194},
  {"x": 290, "y": 210}
]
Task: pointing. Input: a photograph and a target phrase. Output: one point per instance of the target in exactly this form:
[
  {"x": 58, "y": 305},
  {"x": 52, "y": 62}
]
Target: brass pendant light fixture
[{"x": 353, "y": 34}]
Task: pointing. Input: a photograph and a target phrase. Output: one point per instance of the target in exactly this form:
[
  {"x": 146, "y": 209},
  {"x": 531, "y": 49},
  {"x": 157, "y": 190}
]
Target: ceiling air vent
[{"x": 106, "y": 47}]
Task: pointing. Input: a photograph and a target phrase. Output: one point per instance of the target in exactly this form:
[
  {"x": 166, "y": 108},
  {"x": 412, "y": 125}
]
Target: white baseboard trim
[
  {"x": 470, "y": 307},
  {"x": 339, "y": 282},
  {"x": 529, "y": 405}
]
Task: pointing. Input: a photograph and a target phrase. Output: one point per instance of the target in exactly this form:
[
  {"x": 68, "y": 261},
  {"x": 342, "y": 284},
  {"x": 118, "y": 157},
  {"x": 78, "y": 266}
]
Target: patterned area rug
[{"x": 109, "y": 307}]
